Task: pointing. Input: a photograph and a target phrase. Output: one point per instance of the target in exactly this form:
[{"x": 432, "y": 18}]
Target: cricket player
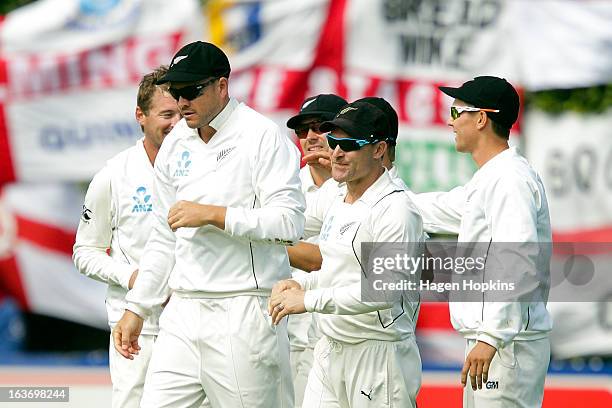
[
  {"x": 507, "y": 345},
  {"x": 303, "y": 330},
  {"x": 228, "y": 200},
  {"x": 368, "y": 354},
  {"x": 118, "y": 215},
  {"x": 306, "y": 255}
]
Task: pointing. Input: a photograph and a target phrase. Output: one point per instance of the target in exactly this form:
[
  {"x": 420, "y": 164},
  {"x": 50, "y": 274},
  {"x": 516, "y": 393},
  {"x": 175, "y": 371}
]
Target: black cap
[
  {"x": 360, "y": 120},
  {"x": 392, "y": 119},
  {"x": 492, "y": 93},
  {"x": 325, "y": 106},
  {"x": 196, "y": 61}
]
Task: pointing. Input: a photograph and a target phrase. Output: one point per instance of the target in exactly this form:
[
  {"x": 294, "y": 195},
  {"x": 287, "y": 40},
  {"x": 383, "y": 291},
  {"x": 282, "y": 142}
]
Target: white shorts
[
  {"x": 128, "y": 376},
  {"x": 516, "y": 376},
  {"x": 368, "y": 374},
  {"x": 225, "y": 349}
]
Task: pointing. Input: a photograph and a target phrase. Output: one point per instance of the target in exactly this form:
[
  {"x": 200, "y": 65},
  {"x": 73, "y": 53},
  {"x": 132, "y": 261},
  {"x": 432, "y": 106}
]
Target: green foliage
[
  {"x": 596, "y": 99},
  {"x": 10, "y": 5}
]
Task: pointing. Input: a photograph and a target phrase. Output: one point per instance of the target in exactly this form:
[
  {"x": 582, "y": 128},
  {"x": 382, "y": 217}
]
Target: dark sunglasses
[
  {"x": 348, "y": 144},
  {"x": 302, "y": 130},
  {"x": 458, "y": 110},
  {"x": 190, "y": 92}
]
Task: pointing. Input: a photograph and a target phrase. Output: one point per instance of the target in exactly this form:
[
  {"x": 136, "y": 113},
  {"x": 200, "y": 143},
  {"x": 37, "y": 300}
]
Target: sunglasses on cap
[
  {"x": 302, "y": 130},
  {"x": 458, "y": 110},
  {"x": 190, "y": 92},
  {"x": 348, "y": 144}
]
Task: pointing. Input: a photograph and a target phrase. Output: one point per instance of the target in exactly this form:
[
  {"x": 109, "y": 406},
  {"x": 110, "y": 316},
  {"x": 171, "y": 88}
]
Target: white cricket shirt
[
  {"x": 384, "y": 213},
  {"x": 117, "y": 214},
  {"x": 504, "y": 202},
  {"x": 252, "y": 169}
]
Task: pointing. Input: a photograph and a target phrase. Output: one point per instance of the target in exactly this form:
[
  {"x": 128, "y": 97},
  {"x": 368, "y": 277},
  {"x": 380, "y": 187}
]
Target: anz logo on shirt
[
  {"x": 142, "y": 201},
  {"x": 326, "y": 228},
  {"x": 184, "y": 164}
]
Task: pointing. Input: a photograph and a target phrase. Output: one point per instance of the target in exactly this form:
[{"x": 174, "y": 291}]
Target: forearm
[
  {"x": 441, "y": 211},
  {"x": 345, "y": 300},
  {"x": 305, "y": 256},
  {"x": 96, "y": 264},
  {"x": 276, "y": 225},
  {"x": 501, "y": 322}
]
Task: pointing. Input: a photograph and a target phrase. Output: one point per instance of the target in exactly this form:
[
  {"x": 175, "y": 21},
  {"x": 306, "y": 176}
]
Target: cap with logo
[
  {"x": 392, "y": 119},
  {"x": 489, "y": 92},
  {"x": 197, "y": 61},
  {"x": 324, "y": 106},
  {"x": 360, "y": 120}
]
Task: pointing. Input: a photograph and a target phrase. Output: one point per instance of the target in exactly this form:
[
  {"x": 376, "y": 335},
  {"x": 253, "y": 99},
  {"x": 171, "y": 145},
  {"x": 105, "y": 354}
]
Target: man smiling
[
  {"x": 368, "y": 354},
  {"x": 117, "y": 215},
  {"x": 303, "y": 332},
  {"x": 229, "y": 198}
]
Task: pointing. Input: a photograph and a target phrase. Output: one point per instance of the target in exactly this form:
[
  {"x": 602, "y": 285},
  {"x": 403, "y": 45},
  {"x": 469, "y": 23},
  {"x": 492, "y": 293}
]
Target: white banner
[
  {"x": 69, "y": 71},
  {"x": 72, "y": 70},
  {"x": 72, "y": 67},
  {"x": 573, "y": 154}
]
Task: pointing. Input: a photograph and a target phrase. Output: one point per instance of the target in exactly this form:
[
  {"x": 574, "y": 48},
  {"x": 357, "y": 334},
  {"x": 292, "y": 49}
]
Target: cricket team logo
[
  {"x": 224, "y": 153},
  {"x": 183, "y": 164},
  {"x": 346, "y": 227},
  {"x": 86, "y": 214},
  {"x": 326, "y": 228},
  {"x": 142, "y": 200}
]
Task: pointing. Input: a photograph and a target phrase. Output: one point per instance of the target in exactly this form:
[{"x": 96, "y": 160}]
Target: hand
[
  {"x": 321, "y": 158},
  {"x": 280, "y": 287},
  {"x": 477, "y": 364},
  {"x": 290, "y": 301},
  {"x": 125, "y": 334},
  {"x": 133, "y": 279},
  {"x": 190, "y": 214}
]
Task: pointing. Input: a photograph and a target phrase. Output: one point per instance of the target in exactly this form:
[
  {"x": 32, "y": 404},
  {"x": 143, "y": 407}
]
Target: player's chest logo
[
  {"x": 141, "y": 201},
  {"x": 183, "y": 164},
  {"x": 224, "y": 153},
  {"x": 325, "y": 230}
]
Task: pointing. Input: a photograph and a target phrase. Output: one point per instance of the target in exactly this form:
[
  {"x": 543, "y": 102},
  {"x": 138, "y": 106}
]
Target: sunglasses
[
  {"x": 190, "y": 92},
  {"x": 302, "y": 130},
  {"x": 347, "y": 144},
  {"x": 458, "y": 110}
]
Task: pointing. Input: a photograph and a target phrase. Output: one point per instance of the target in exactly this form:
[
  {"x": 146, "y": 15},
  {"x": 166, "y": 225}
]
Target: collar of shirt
[
  {"x": 308, "y": 184},
  {"x": 220, "y": 120},
  {"x": 143, "y": 153},
  {"x": 376, "y": 191},
  {"x": 495, "y": 163},
  {"x": 393, "y": 172}
]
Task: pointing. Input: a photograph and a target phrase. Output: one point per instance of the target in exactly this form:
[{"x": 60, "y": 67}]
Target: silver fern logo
[
  {"x": 346, "y": 227},
  {"x": 223, "y": 153}
]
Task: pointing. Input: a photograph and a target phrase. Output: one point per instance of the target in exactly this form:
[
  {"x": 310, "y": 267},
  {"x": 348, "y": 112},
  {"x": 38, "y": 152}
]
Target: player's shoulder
[
  {"x": 246, "y": 112},
  {"x": 123, "y": 156},
  {"x": 398, "y": 202},
  {"x": 256, "y": 123},
  {"x": 100, "y": 184}
]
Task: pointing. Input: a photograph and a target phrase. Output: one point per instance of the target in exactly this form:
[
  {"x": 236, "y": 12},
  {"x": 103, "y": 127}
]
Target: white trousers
[
  {"x": 368, "y": 374},
  {"x": 516, "y": 377},
  {"x": 301, "y": 364},
  {"x": 224, "y": 349},
  {"x": 299, "y": 327},
  {"x": 128, "y": 376}
]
